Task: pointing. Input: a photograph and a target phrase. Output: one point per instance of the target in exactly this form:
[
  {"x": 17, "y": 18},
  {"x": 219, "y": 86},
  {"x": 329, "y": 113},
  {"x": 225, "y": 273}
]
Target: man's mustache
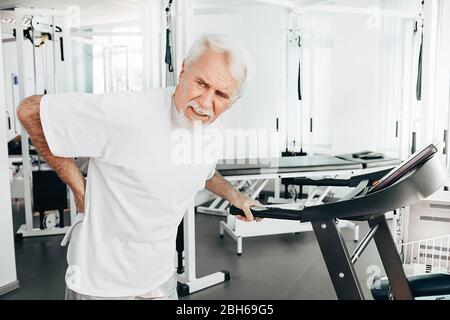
[{"x": 198, "y": 109}]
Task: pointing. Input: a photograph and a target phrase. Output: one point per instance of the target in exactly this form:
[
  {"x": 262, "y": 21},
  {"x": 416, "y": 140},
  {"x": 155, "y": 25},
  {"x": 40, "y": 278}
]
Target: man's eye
[
  {"x": 222, "y": 96},
  {"x": 201, "y": 84}
]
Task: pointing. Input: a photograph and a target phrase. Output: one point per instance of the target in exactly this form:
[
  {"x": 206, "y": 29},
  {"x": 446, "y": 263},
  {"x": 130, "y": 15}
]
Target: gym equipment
[
  {"x": 49, "y": 193},
  {"x": 433, "y": 286},
  {"x": 238, "y": 173},
  {"x": 51, "y": 27},
  {"x": 289, "y": 171},
  {"x": 414, "y": 180}
]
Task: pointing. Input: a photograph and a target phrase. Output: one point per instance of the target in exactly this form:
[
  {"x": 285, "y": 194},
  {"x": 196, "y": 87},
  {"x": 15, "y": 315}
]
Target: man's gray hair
[{"x": 239, "y": 60}]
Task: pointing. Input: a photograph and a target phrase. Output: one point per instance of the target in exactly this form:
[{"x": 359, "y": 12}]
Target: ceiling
[
  {"x": 97, "y": 12},
  {"x": 92, "y": 11}
]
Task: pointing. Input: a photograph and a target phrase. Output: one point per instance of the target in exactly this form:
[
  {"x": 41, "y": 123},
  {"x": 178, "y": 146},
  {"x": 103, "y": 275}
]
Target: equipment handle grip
[{"x": 270, "y": 213}]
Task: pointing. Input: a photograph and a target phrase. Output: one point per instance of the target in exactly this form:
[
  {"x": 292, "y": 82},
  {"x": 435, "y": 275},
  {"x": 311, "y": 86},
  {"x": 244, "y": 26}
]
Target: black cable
[
  {"x": 168, "y": 56},
  {"x": 61, "y": 47},
  {"x": 420, "y": 73},
  {"x": 299, "y": 82},
  {"x": 420, "y": 66}
]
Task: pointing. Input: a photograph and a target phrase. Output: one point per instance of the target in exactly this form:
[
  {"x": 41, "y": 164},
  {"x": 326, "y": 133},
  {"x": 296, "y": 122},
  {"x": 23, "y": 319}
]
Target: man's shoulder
[
  {"x": 155, "y": 97},
  {"x": 136, "y": 94}
]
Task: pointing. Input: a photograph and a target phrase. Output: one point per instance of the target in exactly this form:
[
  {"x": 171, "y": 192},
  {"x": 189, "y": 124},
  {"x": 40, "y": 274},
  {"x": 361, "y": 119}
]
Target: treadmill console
[{"x": 406, "y": 167}]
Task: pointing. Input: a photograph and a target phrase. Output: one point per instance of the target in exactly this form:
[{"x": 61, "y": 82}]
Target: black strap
[
  {"x": 61, "y": 46},
  {"x": 419, "y": 74},
  {"x": 168, "y": 57},
  {"x": 299, "y": 83},
  {"x": 420, "y": 66}
]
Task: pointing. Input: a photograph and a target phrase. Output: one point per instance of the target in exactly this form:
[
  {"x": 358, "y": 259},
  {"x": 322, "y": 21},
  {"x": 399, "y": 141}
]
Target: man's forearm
[
  {"x": 221, "y": 187},
  {"x": 29, "y": 115},
  {"x": 224, "y": 189}
]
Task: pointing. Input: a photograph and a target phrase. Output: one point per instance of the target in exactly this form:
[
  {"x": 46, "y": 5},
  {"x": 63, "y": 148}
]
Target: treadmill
[{"x": 415, "y": 179}]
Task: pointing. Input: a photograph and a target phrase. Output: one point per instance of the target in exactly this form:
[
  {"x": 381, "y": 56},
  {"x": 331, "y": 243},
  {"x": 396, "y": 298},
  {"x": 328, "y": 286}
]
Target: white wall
[
  {"x": 436, "y": 72},
  {"x": 346, "y": 61},
  {"x": 341, "y": 61},
  {"x": 355, "y": 85},
  {"x": 353, "y": 105},
  {"x": 7, "y": 257}
]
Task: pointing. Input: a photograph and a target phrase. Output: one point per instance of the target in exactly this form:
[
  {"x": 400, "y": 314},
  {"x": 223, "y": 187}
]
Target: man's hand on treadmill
[{"x": 245, "y": 203}]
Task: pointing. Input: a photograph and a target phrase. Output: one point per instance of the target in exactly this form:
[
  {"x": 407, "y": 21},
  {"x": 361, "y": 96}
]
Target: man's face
[{"x": 206, "y": 89}]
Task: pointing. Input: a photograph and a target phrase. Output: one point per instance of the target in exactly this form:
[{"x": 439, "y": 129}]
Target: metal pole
[
  {"x": 363, "y": 245},
  {"x": 391, "y": 259},
  {"x": 337, "y": 260},
  {"x": 54, "y": 53},
  {"x": 13, "y": 82},
  {"x": 24, "y": 141},
  {"x": 34, "y": 60}
]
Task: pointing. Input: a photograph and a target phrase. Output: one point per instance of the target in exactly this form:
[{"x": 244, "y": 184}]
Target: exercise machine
[
  {"x": 255, "y": 176},
  {"x": 46, "y": 30},
  {"x": 260, "y": 172},
  {"x": 415, "y": 179}
]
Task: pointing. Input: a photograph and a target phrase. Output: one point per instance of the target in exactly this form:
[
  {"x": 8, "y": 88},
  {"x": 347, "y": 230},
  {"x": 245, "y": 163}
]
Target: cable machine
[{"x": 46, "y": 31}]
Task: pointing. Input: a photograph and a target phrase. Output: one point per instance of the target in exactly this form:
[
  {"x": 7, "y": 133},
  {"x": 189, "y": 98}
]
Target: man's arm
[
  {"x": 221, "y": 187},
  {"x": 28, "y": 113}
]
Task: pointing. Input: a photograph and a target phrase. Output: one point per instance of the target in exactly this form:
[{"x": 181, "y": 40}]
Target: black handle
[
  {"x": 61, "y": 47},
  {"x": 420, "y": 73},
  {"x": 299, "y": 81},
  {"x": 168, "y": 57},
  {"x": 270, "y": 213}
]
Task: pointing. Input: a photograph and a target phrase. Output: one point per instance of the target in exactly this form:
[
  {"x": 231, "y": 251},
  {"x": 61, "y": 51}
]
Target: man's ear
[{"x": 183, "y": 69}]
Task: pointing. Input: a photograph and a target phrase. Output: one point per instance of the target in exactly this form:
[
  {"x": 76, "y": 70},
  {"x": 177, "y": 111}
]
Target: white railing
[{"x": 426, "y": 256}]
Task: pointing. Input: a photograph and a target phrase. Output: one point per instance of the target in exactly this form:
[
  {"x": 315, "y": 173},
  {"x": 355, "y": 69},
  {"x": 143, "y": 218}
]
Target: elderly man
[{"x": 122, "y": 244}]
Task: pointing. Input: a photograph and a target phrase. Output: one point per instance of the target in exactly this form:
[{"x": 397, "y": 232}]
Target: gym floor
[{"x": 278, "y": 267}]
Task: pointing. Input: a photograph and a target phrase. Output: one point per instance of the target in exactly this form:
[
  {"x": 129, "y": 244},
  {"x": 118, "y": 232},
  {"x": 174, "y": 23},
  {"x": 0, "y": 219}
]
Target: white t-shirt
[{"x": 135, "y": 195}]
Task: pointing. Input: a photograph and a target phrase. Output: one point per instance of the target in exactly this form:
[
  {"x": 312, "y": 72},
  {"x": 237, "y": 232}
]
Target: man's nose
[{"x": 206, "y": 100}]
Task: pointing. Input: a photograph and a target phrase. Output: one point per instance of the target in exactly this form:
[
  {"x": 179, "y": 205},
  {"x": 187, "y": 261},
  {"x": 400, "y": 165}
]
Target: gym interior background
[{"x": 352, "y": 89}]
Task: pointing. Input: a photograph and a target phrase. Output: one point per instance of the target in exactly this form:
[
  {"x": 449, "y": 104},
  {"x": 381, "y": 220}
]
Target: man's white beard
[{"x": 182, "y": 121}]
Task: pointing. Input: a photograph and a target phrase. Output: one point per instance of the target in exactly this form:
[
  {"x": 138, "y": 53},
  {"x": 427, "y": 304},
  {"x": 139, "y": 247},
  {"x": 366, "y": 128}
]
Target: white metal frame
[
  {"x": 108, "y": 73},
  {"x": 182, "y": 12},
  {"x": 423, "y": 236},
  {"x": 189, "y": 276},
  {"x": 426, "y": 255},
  {"x": 153, "y": 44},
  {"x": 8, "y": 272},
  {"x": 27, "y": 230}
]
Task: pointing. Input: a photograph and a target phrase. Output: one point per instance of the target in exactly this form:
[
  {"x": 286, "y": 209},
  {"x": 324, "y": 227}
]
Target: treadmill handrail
[{"x": 416, "y": 186}]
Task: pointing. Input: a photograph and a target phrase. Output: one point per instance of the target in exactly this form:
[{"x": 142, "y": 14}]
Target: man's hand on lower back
[
  {"x": 79, "y": 201},
  {"x": 29, "y": 115},
  {"x": 79, "y": 198}
]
